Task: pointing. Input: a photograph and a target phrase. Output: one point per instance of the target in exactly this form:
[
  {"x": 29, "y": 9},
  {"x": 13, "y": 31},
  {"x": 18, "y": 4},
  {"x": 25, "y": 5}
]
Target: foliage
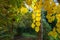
[{"x": 14, "y": 19}]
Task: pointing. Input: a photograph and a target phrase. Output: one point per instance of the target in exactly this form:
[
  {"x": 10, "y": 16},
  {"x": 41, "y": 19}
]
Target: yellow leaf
[
  {"x": 37, "y": 23},
  {"x": 23, "y": 10},
  {"x": 33, "y": 16},
  {"x": 37, "y": 29},
  {"x": 53, "y": 33},
  {"x": 33, "y": 25},
  {"x": 38, "y": 14},
  {"x": 38, "y": 18}
]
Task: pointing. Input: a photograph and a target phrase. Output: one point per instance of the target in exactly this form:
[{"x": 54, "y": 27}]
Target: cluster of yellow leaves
[
  {"x": 50, "y": 7},
  {"x": 57, "y": 29},
  {"x": 58, "y": 19},
  {"x": 23, "y": 10},
  {"x": 50, "y": 18},
  {"x": 36, "y": 21},
  {"x": 36, "y": 16},
  {"x": 53, "y": 33}
]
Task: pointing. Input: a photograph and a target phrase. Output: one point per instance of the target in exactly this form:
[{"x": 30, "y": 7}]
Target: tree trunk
[{"x": 40, "y": 33}]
